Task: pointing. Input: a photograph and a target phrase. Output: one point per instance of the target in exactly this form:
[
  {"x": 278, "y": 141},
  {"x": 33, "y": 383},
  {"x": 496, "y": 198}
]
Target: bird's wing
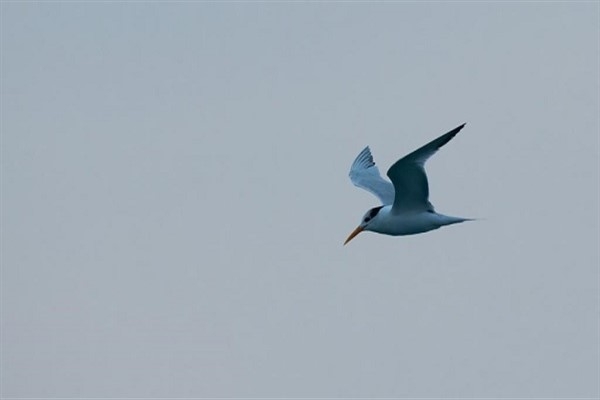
[
  {"x": 409, "y": 178},
  {"x": 365, "y": 174}
]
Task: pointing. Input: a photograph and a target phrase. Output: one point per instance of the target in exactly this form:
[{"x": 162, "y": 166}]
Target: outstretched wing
[
  {"x": 409, "y": 178},
  {"x": 365, "y": 174}
]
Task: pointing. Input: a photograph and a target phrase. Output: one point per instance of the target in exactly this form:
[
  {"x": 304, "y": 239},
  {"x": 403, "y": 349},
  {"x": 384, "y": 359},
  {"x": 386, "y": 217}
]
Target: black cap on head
[{"x": 372, "y": 213}]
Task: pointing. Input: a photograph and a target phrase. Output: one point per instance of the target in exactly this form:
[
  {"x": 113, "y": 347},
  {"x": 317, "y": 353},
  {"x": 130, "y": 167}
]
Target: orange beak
[{"x": 353, "y": 234}]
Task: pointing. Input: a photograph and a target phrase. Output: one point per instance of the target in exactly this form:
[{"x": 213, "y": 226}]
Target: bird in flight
[{"x": 406, "y": 209}]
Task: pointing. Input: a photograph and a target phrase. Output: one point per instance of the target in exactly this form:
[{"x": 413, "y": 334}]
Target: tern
[{"x": 405, "y": 208}]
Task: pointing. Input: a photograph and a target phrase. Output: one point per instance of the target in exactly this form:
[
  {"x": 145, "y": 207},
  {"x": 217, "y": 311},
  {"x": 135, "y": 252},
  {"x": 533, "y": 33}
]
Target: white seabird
[{"x": 406, "y": 209}]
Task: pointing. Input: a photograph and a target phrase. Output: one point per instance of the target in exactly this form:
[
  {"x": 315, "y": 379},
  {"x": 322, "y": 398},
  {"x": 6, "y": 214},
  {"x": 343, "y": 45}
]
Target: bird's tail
[{"x": 449, "y": 220}]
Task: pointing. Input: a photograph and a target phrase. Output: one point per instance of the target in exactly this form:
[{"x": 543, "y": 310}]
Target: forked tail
[{"x": 449, "y": 220}]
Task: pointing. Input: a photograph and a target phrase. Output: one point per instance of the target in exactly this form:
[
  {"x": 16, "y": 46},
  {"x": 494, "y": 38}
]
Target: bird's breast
[{"x": 407, "y": 224}]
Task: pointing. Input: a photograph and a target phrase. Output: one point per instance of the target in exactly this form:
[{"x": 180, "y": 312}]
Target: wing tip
[
  {"x": 458, "y": 128},
  {"x": 451, "y": 134},
  {"x": 364, "y": 159}
]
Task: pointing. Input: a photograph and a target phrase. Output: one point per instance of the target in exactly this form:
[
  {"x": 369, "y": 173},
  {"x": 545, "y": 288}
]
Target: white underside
[{"x": 409, "y": 223}]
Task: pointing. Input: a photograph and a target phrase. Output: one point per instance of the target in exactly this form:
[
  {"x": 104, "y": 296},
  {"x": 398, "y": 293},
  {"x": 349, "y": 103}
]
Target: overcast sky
[{"x": 175, "y": 197}]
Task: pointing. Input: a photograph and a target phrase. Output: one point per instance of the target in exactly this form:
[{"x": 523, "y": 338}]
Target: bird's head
[{"x": 367, "y": 222}]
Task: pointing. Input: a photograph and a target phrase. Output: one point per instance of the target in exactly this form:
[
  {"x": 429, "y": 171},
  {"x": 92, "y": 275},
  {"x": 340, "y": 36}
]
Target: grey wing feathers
[
  {"x": 423, "y": 153},
  {"x": 365, "y": 174},
  {"x": 409, "y": 178}
]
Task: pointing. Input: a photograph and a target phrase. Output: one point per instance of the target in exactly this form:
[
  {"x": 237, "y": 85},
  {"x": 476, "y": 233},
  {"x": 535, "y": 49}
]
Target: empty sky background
[{"x": 175, "y": 198}]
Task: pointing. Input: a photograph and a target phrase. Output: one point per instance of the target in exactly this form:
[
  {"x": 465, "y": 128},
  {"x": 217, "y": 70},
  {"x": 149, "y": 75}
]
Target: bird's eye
[{"x": 372, "y": 213}]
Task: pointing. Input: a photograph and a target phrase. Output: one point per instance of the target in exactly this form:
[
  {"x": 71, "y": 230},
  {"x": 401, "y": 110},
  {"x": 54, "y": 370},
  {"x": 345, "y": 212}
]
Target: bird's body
[
  {"x": 406, "y": 209},
  {"x": 409, "y": 223}
]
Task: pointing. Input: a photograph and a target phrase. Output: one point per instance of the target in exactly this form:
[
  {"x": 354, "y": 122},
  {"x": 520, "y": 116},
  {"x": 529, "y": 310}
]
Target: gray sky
[{"x": 175, "y": 198}]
